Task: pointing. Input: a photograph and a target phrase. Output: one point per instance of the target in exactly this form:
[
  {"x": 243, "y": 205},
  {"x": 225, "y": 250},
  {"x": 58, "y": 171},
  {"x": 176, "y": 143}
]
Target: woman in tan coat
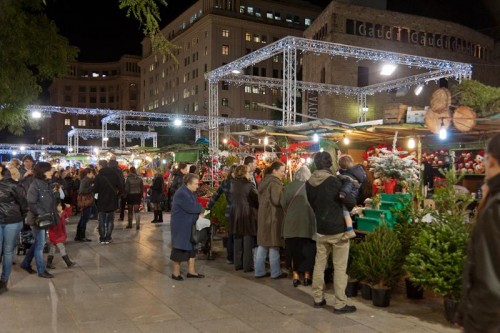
[{"x": 270, "y": 221}]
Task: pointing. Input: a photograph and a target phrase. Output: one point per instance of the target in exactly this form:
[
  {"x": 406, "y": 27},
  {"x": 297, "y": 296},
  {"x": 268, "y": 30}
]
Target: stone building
[
  {"x": 346, "y": 23},
  {"x": 110, "y": 85},
  {"x": 210, "y": 34}
]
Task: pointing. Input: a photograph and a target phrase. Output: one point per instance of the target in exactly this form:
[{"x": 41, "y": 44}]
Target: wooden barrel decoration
[
  {"x": 441, "y": 100},
  {"x": 464, "y": 118},
  {"x": 433, "y": 120}
]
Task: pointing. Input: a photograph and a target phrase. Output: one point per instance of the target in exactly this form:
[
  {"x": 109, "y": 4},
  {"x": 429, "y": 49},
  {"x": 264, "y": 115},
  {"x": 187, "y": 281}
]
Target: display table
[{"x": 390, "y": 203}]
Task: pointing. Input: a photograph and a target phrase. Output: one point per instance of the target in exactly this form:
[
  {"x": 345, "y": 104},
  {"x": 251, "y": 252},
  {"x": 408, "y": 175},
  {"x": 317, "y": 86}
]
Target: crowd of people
[{"x": 308, "y": 218}]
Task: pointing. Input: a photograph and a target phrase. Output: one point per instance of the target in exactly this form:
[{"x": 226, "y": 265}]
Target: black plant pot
[
  {"x": 381, "y": 297},
  {"x": 366, "y": 291},
  {"x": 450, "y": 309},
  {"x": 224, "y": 242},
  {"x": 413, "y": 291},
  {"x": 352, "y": 288}
]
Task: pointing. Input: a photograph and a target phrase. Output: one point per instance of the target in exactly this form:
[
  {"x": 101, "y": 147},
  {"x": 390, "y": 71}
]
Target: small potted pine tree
[
  {"x": 437, "y": 256},
  {"x": 379, "y": 260}
]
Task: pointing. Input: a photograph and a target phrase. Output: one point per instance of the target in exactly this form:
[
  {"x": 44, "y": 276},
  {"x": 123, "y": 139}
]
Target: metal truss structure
[
  {"x": 75, "y": 134},
  {"x": 288, "y": 47}
]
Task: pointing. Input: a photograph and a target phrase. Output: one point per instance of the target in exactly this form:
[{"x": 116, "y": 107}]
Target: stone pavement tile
[
  {"x": 281, "y": 323},
  {"x": 109, "y": 327},
  {"x": 198, "y": 310},
  {"x": 325, "y": 321},
  {"x": 148, "y": 312},
  {"x": 249, "y": 310},
  {"x": 47, "y": 327},
  {"x": 174, "y": 326},
  {"x": 85, "y": 313},
  {"x": 225, "y": 325}
]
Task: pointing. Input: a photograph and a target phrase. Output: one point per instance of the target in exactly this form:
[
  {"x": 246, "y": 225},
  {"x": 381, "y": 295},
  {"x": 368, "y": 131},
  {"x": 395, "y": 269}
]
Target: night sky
[{"x": 103, "y": 32}]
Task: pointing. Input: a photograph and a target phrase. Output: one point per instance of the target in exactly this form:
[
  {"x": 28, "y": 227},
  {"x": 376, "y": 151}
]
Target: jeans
[
  {"x": 36, "y": 250},
  {"x": 340, "y": 253},
  {"x": 274, "y": 261},
  {"x": 8, "y": 236},
  {"x": 106, "y": 223},
  {"x": 82, "y": 224}
]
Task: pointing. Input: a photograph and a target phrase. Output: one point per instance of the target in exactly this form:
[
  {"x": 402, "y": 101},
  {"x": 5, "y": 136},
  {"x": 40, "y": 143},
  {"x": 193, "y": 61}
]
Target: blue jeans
[
  {"x": 82, "y": 224},
  {"x": 8, "y": 236},
  {"x": 36, "y": 250},
  {"x": 274, "y": 261},
  {"x": 106, "y": 223}
]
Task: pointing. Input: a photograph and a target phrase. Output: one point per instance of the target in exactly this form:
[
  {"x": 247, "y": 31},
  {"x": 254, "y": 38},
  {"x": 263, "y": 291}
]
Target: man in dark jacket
[
  {"x": 27, "y": 167},
  {"x": 480, "y": 305},
  {"x": 113, "y": 165},
  {"x": 323, "y": 189},
  {"x": 107, "y": 186}
]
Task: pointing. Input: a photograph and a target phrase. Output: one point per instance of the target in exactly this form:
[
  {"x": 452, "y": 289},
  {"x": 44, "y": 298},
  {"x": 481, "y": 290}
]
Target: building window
[
  {"x": 195, "y": 106},
  {"x": 263, "y": 72},
  {"x": 269, "y": 15},
  {"x": 82, "y": 122},
  {"x": 246, "y": 105},
  {"x": 256, "y": 38},
  {"x": 67, "y": 88},
  {"x": 82, "y": 89},
  {"x": 277, "y": 16},
  {"x": 67, "y": 122},
  {"x": 225, "y": 49},
  {"x": 257, "y": 12},
  {"x": 363, "y": 76},
  {"x": 307, "y": 21},
  {"x": 255, "y": 89},
  {"x": 82, "y": 99},
  {"x": 276, "y": 74},
  {"x": 225, "y": 33},
  {"x": 225, "y": 102},
  {"x": 263, "y": 39},
  {"x": 276, "y": 58},
  {"x": 248, "y": 89},
  {"x": 275, "y": 91},
  {"x": 242, "y": 9},
  {"x": 255, "y": 71},
  {"x": 206, "y": 50},
  {"x": 262, "y": 90},
  {"x": 67, "y": 98},
  {"x": 225, "y": 85},
  {"x": 111, "y": 99},
  {"x": 250, "y": 10},
  {"x": 206, "y": 68},
  {"x": 93, "y": 99},
  {"x": 289, "y": 19},
  {"x": 102, "y": 89},
  {"x": 255, "y": 107},
  {"x": 102, "y": 99},
  {"x": 186, "y": 93},
  {"x": 248, "y": 37}
]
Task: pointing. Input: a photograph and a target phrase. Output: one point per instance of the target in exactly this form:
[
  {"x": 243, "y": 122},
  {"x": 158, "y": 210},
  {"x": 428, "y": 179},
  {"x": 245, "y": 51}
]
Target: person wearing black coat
[
  {"x": 41, "y": 200},
  {"x": 243, "y": 216},
  {"x": 156, "y": 197},
  {"x": 107, "y": 186},
  {"x": 323, "y": 194},
  {"x": 13, "y": 207},
  {"x": 480, "y": 304}
]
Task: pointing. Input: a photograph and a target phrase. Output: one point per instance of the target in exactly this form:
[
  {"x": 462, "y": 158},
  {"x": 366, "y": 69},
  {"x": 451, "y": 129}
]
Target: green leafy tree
[{"x": 31, "y": 50}]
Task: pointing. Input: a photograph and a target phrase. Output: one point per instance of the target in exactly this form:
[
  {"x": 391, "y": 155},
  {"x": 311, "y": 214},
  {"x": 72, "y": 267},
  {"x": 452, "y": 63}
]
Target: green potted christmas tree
[
  {"x": 437, "y": 256},
  {"x": 380, "y": 260}
]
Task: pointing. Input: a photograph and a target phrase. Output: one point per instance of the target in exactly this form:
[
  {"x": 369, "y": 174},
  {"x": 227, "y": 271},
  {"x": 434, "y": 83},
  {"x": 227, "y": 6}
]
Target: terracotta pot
[{"x": 390, "y": 185}]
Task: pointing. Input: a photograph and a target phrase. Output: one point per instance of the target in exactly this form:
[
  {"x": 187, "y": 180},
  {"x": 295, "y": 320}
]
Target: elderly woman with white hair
[{"x": 299, "y": 228}]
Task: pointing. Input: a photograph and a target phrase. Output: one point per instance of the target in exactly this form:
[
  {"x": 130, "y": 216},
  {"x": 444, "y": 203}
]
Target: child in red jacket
[{"x": 57, "y": 235}]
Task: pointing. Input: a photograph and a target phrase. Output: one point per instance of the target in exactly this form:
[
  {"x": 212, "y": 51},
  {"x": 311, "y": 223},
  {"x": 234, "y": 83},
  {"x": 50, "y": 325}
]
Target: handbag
[
  {"x": 85, "y": 200},
  {"x": 199, "y": 236},
  {"x": 294, "y": 196},
  {"x": 44, "y": 221}
]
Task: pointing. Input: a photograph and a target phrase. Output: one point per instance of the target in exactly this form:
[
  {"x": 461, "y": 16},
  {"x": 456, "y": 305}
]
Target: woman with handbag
[
  {"x": 299, "y": 228},
  {"x": 156, "y": 197},
  {"x": 13, "y": 207},
  {"x": 185, "y": 212},
  {"x": 42, "y": 214},
  {"x": 85, "y": 202}
]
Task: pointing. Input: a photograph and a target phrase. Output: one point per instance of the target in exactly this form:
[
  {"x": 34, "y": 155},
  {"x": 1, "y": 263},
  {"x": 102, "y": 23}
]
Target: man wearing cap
[{"x": 27, "y": 167}]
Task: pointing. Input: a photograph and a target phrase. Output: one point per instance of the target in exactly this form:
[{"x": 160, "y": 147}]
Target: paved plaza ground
[{"x": 126, "y": 287}]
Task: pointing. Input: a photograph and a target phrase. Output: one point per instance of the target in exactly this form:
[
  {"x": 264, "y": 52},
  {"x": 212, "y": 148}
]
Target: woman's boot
[
  {"x": 68, "y": 262},
  {"x": 155, "y": 214},
  {"x": 49, "y": 262},
  {"x": 160, "y": 216}
]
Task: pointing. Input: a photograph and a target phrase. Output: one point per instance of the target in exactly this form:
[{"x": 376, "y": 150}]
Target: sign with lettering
[
  {"x": 312, "y": 103},
  {"x": 406, "y": 35}
]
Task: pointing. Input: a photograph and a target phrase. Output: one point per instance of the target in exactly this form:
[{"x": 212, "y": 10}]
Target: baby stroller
[{"x": 25, "y": 241}]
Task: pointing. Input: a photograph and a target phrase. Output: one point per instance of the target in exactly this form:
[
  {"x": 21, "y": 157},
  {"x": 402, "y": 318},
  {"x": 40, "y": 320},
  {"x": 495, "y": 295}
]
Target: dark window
[
  {"x": 102, "y": 99},
  {"x": 93, "y": 100},
  {"x": 67, "y": 98},
  {"x": 82, "y": 89},
  {"x": 225, "y": 85},
  {"x": 323, "y": 75},
  {"x": 363, "y": 76},
  {"x": 276, "y": 73},
  {"x": 256, "y": 71},
  {"x": 263, "y": 72}
]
